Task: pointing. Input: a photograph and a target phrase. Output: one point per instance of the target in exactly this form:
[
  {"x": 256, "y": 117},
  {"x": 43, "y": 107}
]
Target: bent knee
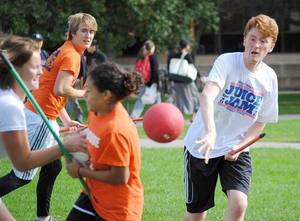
[
  {"x": 241, "y": 207},
  {"x": 57, "y": 166},
  {"x": 194, "y": 216},
  {"x": 238, "y": 201},
  {"x": 238, "y": 206},
  {"x": 52, "y": 168}
]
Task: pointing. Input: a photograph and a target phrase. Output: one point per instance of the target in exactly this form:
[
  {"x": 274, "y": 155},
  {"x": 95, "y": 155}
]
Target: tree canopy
[{"x": 121, "y": 22}]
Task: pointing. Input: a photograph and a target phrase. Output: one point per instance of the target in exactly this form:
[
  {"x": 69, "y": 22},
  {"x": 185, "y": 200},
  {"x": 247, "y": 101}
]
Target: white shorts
[{"x": 39, "y": 137}]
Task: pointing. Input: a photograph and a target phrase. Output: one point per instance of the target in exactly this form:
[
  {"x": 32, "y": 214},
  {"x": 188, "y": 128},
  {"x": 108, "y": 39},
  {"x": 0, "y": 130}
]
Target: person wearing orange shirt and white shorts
[
  {"x": 56, "y": 85},
  {"x": 114, "y": 146}
]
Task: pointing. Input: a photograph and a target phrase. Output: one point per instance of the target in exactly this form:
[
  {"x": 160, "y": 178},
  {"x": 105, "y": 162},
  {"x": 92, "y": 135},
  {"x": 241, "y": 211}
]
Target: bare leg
[
  {"x": 194, "y": 216},
  {"x": 5, "y": 215},
  {"x": 237, "y": 206}
]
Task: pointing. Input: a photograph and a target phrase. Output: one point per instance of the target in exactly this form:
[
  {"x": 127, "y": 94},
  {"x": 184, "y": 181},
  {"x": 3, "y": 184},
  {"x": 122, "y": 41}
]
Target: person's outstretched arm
[
  {"x": 207, "y": 98},
  {"x": 18, "y": 150}
]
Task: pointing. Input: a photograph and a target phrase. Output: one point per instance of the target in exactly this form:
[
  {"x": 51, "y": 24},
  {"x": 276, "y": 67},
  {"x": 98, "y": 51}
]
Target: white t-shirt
[
  {"x": 244, "y": 99},
  {"x": 12, "y": 115}
]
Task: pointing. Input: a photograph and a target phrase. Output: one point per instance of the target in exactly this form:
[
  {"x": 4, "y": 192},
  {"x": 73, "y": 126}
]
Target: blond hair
[
  {"x": 76, "y": 19},
  {"x": 266, "y": 25}
]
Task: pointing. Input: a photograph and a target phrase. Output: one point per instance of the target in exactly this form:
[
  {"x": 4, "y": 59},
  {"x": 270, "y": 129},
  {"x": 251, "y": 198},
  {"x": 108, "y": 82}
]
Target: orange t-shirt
[
  {"x": 113, "y": 141},
  {"x": 65, "y": 58}
]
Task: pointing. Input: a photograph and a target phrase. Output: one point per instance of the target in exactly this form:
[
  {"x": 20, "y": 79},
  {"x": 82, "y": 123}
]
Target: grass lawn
[
  {"x": 274, "y": 194},
  {"x": 287, "y": 103},
  {"x": 274, "y": 191},
  {"x": 283, "y": 131}
]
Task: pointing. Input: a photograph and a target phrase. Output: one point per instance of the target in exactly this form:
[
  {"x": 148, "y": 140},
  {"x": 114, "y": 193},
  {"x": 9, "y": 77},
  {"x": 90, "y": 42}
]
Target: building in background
[{"x": 233, "y": 17}]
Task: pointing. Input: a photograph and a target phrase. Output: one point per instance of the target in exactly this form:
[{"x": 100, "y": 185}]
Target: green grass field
[
  {"x": 288, "y": 132},
  {"x": 274, "y": 195},
  {"x": 287, "y": 104},
  {"x": 274, "y": 191},
  {"x": 283, "y": 131}
]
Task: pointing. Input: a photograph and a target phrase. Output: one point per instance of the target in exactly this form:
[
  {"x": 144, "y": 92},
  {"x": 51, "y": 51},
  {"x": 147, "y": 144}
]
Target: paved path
[
  {"x": 147, "y": 143},
  {"x": 178, "y": 143}
]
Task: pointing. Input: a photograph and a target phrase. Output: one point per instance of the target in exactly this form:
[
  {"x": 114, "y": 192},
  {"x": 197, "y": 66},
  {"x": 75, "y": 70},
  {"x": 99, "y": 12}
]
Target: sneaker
[{"x": 50, "y": 219}]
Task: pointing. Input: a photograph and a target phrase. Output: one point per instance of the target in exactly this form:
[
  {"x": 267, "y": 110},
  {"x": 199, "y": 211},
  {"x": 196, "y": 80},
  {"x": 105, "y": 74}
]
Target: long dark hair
[
  {"x": 112, "y": 77},
  {"x": 145, "y": 49}
]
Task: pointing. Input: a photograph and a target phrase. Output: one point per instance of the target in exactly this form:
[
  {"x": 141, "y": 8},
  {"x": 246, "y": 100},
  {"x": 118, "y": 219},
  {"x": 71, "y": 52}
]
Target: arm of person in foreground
[
  {"x": 63, "y": 88},
  {"x": 207, "y": 98},
  {"x": 116, "y": 175},
  {"x": 67, "y": 121},
  {"x": 251, "y": 134},
  {"x": 5, "y": 214},
  {"x": 18, "y": 150}
]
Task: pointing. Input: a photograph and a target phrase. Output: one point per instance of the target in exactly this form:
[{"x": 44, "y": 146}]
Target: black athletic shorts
[
  {"x": 83, "y": 210},
  {"x": 200, "y": 179}
]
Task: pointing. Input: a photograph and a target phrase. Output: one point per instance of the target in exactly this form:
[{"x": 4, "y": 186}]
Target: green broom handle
[{"x": 39, "y": 110}]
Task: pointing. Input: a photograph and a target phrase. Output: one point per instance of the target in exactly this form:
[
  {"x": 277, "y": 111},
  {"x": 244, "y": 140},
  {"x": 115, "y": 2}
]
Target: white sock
[{"x": 42, "y": 219}]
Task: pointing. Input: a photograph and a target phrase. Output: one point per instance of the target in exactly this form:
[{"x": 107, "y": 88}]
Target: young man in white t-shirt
[{"x": 239, "y": 98}]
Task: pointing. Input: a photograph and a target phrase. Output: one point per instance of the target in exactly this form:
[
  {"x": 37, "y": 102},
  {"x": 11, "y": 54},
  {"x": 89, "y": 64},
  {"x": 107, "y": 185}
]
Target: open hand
[
  {"x": 207, "y": 144},
  {"x": 75, "y": 141},
  {"x": 73, "y": 123}
]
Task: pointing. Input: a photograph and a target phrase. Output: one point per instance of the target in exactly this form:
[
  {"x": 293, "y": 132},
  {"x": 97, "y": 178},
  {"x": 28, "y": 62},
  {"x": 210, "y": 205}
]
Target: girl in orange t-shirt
[{"x": 113, "y": 176}]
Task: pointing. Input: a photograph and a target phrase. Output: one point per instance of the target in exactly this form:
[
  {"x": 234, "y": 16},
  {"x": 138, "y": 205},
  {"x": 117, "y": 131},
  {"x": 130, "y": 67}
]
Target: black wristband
[{"x": 78, "y": 171}]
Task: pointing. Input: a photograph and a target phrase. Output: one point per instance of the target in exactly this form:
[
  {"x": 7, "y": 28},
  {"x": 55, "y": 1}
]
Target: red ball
[{"x": 163, "y": 122}]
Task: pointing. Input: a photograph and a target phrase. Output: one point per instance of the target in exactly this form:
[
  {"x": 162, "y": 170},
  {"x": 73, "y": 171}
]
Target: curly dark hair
[{"x": 112, "y": 77}]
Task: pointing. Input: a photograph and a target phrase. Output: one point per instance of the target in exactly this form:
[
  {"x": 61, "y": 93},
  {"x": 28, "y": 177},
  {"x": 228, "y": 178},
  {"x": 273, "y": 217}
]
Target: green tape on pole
[{"x": 41, "y": 113}]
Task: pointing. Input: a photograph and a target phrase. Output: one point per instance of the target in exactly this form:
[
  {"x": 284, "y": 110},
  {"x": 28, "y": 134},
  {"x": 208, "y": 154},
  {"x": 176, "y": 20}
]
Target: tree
[
  {"x": 277, "y": 9},
  {"x": 166, "y": 21},
  {"x": 234, "y": 15},
  {"x": 25, "y": 17},
  {"x": 121, "y": 22}
]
